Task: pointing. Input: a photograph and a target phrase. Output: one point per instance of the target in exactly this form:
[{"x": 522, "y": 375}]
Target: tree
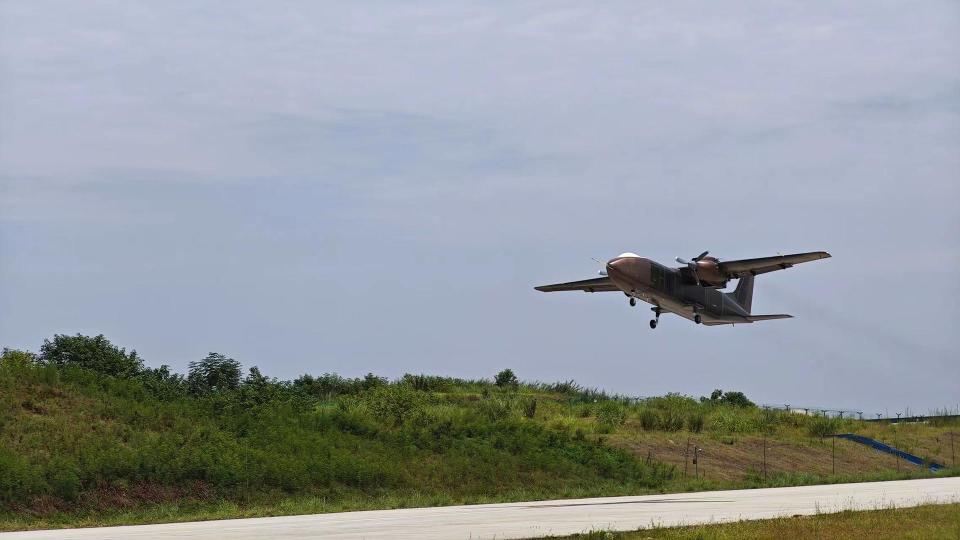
[
  {"x": 737, "y": 399},
  {"x": 94, "y": 353},
  {"x": 162, "y": 382},
  {"x": 214, "y": 373},
  {"x": 506, "y": 378},
  {"x": 256, "y": 379}
]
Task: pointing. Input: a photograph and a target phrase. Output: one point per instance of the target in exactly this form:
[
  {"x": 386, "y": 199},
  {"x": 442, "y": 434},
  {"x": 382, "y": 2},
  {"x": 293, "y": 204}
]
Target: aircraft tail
[{"x": 743, "y": 294}]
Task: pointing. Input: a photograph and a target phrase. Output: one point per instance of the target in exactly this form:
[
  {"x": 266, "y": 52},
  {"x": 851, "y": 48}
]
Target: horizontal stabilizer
[{"x": 754, "y": 318}]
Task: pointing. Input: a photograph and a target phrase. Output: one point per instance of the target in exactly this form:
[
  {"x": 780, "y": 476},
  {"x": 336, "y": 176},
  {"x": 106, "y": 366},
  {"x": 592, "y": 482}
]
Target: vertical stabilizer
[{"x": 743, "y": 294}]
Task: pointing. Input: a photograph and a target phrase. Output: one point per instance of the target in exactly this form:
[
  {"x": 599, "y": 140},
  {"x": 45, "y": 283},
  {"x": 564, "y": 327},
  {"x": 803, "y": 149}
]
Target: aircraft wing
[
  {"x": 602, "y": 284},
  {"x": 755, "y": 318},
  {"x": 743, "y": 267}
]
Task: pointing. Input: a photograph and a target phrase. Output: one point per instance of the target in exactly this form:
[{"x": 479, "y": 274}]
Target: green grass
[
  {"x": 79, "y": 447},
  {"x": 921, "y": 522}
]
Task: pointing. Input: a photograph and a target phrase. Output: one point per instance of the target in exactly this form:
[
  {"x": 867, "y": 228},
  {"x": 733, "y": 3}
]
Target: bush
[
  {"x": 18, "y": 478},
  {"x": 395, "y": 403},
  {"x": 329, "y": 385},
  {"x": 496, "y": 408},
  {"x": 428, "y": 383},
  {"x": 530, "y": 408},
  {"x": 506, "y": 379},
  {"x": 726, "y": 420},
  {"x": 649, "y": 419},
  {"x": 15, "y": 359},
  {"x": 695, "y": 422},
  {"x": 822, "y": 426},
  {"x": 610, "y": 415},
  {"x": 93, "y": 353},
  {"x": 63, "y": 478},
  {"x": 671, "y": 420},
  {"x": 737, "y": 399}
]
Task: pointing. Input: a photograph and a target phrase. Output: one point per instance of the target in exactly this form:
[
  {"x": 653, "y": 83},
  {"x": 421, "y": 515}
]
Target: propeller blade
[
  {"x": 700, "y": 256},
  {"x": 602, "y": 271},
  {"x": 683, "y": 261}
]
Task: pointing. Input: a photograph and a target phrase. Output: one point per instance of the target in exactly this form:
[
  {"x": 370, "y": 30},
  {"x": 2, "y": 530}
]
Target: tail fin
[{"x": 743, "y": 294}]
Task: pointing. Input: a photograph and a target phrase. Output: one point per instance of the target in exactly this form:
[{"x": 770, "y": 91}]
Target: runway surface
[{"x": 544, "y": 518}]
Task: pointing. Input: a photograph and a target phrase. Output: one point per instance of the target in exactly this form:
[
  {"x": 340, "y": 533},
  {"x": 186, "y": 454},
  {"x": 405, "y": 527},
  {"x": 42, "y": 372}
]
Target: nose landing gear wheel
[
  {"x": 653, "y": 324},
  {"x": 697, "y": 319},
  {"x": 633, "y": 302}
]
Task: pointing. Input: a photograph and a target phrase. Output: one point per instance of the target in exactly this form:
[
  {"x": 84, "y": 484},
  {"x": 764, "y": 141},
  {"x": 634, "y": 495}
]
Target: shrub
[
  {"x": 530, "y": 408},
  {"x": 671, "y": 420},
  {"x": 726, "y": 420},
  {"x": 428, "y": 383},
  {"x": 330, "y": 385},
  {"x": 737, "y": 399},
  {"x": 63, "y": 478},
  {"x": 18, "y": 478},
  {"x": 767, "y": 420},
  {"x": 695, "y": 421},
  {"x": 496, "y": 408},
  {"x": 14, "y": 358},
  {"x": 94, "y": 353},
  {"x": 395, "y": 402},
  {"x": 506, "y": 379},
  {"x": 610, "y": 415},
  {"x": 822, "y": 426},
  {"x": 649, "y": 419}
]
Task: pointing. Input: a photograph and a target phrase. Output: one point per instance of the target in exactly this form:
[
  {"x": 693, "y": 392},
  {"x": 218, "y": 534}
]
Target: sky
[{"x": 358, "y": 187}]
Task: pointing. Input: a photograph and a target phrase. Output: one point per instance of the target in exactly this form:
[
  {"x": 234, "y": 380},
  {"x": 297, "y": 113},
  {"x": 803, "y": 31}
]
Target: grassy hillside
[
  {"x": 921, "y": 523},
  {"x": 88, "y": 434}
]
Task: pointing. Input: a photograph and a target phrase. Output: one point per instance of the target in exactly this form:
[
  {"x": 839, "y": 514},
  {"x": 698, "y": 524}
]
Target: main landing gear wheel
[
  {"x": 697, "y": 319},
  {"x": 653, "y": 324},
  {"x": 656, "y": 317},
  {"x": 633, "y": 302}
]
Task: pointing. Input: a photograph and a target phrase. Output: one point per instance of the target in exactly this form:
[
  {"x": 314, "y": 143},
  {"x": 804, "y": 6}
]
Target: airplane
[{"x": 692, "y": 291}]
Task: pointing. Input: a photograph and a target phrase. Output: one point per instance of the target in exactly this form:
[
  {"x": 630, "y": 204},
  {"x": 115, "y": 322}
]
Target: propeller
[
  {"x": 692, "y": 265},
  {"x": 602, "y": 271}
]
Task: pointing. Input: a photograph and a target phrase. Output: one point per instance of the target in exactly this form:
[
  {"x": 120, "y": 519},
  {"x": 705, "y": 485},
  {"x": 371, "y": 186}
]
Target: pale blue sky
[{"x": 362, "y": 186}]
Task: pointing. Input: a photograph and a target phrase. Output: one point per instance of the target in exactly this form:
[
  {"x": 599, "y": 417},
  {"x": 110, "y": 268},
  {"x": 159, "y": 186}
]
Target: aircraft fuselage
[{"x": 661, "y": 286}]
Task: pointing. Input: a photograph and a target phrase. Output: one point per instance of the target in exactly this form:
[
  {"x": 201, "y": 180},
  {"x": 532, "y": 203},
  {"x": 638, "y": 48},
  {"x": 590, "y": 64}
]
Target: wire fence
[{"x": 705, "y": 458}]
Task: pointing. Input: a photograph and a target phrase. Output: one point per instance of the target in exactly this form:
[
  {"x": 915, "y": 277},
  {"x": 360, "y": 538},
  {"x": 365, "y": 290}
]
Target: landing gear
[
  {"x": 697, "y": 319},
  {"x": 653, "y": 323},
  {"x": 656, "y": 319},
  {"x": 633, "y": 301}
]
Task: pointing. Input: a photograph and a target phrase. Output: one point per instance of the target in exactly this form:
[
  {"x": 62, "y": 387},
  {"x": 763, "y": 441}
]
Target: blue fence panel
[{"x": 877, "y": 445}]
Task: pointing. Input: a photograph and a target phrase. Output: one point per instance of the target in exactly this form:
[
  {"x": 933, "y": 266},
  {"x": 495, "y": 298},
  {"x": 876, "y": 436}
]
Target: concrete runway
[{"x": 544, "y": 518}]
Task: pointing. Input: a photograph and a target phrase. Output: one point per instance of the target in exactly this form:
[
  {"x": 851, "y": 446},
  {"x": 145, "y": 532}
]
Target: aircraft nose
[{"x": 616, "y": 265}]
